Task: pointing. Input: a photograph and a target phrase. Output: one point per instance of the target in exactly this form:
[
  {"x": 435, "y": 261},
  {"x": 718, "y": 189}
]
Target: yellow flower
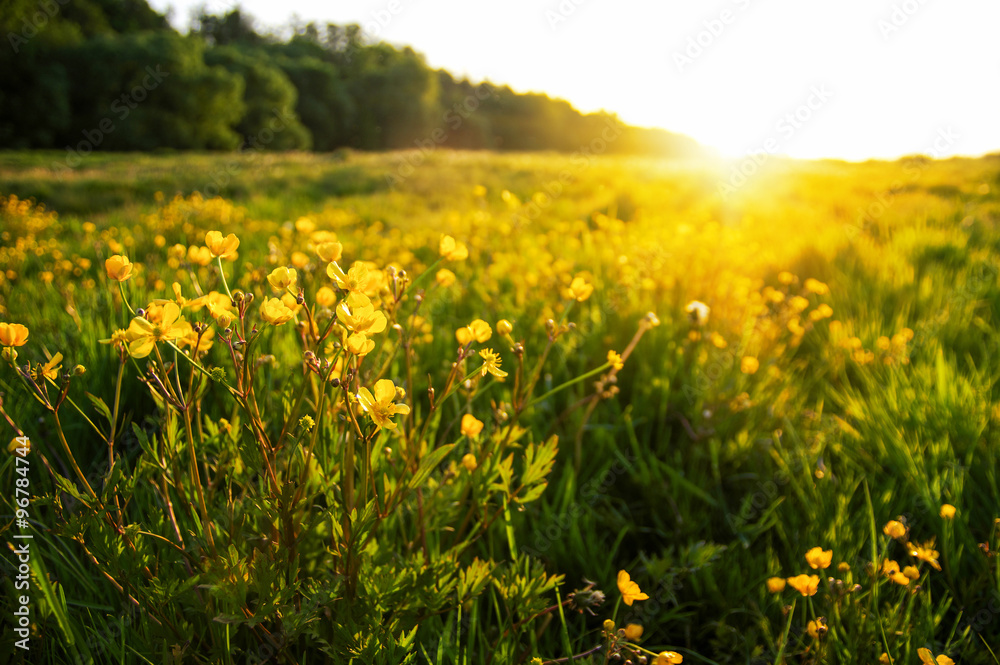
[
  {"x": 925, "y": 552},
  {"x": 818, "y": 558},
  {"x": 330, "y": 251},
  {"x": 469, "y": 462},
  {"x": 49, "y": 370},
  {"x": 912, "y": 572},
  {"x": 305, "y": 225},
  {"x": 580, "y": 289},
  {"x": 478, "y": 331},
  {"x": 786, "y": 277},
  {"x": 359, "y": 344},
  {"x": 817, "y": 628},
  {"x": 698, "y": 311},
  {"x": 201, "y": 256},
  {"x": 633, "y": 632},
  {"x": 629, "y": 589},
  {"x": 191, "y": 338},
  {"x": 275, "y": 312},
  {"x": 927, "y": 658},
  {"x": 143, "y": 334},
  {"x": 817, "y": 287},
  {"x": 947, "y": 511},
  {"x": 668, "y": 658},
  {"x": 282, "y": 278},
  {"x": 798, "y": 304},
  {"x": 381, "y": 407},
  {"x": 222, "y": 247},
  {"x": 749, "y": 365},
  {"x": 445, "y": 278},
  {"x": 119, "y": 339},
  {"x": 325, "y": 296},
  {"x": 891, "y": 570},
  {"x": 807, "y": 585},
  {"x": 452, "y": 250},
  {"x": 776, "y": 584},
  {"x": 894, "y": 529},
  {"x": 118, "y": 267},
  {"x": 884, "y": 659},
  {"x": 824, "y": 311},
  {"x": 355, "y": 280},
  {"x": 615, "y": 360},
  {"x": 491, "y": 364},
  {"x": 504, "y": 327},
  {"x": 719, "y": 341},
  {"x": 471, "y": 426},
  {"x": 14, "y": 446},
  {"x": 357, "y": 314},
  {"x": 13, "y": 334}
]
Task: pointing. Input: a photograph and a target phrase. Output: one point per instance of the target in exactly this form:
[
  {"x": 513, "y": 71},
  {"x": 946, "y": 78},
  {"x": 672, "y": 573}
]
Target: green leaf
[
  {"x": 539, "y": 461},
  {"x": 100, "y": 405},
  {"x": 428, "y": 464}
]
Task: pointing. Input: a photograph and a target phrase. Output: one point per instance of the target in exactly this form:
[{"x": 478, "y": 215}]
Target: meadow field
[{"x": 473, "y": 408}]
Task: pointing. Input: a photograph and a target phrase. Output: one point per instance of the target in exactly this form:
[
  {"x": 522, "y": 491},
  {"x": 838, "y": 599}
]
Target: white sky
[{"x": 884, "y": 77}]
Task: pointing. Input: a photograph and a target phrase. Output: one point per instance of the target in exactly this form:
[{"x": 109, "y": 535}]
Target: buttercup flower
[
  {"x": 118, "y": 267},
  {"x": 580, "y": 289},
  {"x": 504, "y": 327},
  {"x": 478, "y": 331},
  {"x": 927, "y": 657},
  {"x": 668, "y": 658},
  {"x": 471, "y": 426},
  {"x": 817, "y": 287},
  {"x": 325, "y": 297},
  {"x": 817, "y": 628},
  {"x": 452, "y": 250},
  {"x": 359, "y": 344},
  {"x": 201, "y": 256},
  {"x": 49, "y": 370},
  {"x": 13, "y": 334},
  {"x": 894, "y": 529},
  {"x": 615, "y": 360},
  {"x": 275, "y": 312},
  {"x": 222, "y": 247},
  {"x": 776, "y": 584},
  {"x": 925, "y": 552},
  {"x": 444, "y": 277},
  {"x": 469, "y": 462},
  {"x": 749, "y": 365},
  {"x": 807, "y": 585},
  {"x": 947, "y": 511},
  {"x": 357, "y": 314},
  {"x": 354, "y": 280},
  {"x": 633, "y": 632},
  {"x": 630, "y": 590},
  {"x": 143, "y": 334},
  {"x": 329, "y": 251},
  {"x": 491, "y": 364},
  {"x": 282, "y": 278},
  {"x": 818, "y": 558},
  {"x": 381, "y": 407}
]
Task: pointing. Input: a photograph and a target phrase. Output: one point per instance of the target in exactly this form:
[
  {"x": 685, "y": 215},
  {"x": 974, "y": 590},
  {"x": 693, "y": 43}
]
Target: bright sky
[{"x": 851, "y": 79}]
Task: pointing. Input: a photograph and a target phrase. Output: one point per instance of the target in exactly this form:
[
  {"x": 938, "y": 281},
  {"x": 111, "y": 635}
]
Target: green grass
[{"x": 700, "y": 480}]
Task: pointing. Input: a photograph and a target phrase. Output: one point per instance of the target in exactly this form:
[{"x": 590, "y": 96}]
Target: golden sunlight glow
[{"x": 855, "y": 79}]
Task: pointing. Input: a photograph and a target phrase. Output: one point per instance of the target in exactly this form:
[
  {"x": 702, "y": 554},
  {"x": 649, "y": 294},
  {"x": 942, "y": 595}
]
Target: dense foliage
[
  {"x": 798, "y": 464},
  {"x": 113, "y": 75}
]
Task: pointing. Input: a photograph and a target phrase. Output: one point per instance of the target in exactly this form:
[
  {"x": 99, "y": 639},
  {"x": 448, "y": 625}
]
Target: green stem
[{"x": 568, "y": 384}]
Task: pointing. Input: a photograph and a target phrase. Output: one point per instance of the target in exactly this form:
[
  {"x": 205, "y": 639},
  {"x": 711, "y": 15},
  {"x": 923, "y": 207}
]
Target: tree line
[{"x": 114, "y": 75}]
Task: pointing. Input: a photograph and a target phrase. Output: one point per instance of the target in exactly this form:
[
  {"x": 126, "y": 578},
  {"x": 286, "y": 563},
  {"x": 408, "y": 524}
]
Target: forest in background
[{"x": 114, "y": 75}]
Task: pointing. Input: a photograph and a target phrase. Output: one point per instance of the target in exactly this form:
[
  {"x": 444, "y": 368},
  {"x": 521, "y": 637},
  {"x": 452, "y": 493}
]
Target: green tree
[{"x": 267, "y": 94}]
